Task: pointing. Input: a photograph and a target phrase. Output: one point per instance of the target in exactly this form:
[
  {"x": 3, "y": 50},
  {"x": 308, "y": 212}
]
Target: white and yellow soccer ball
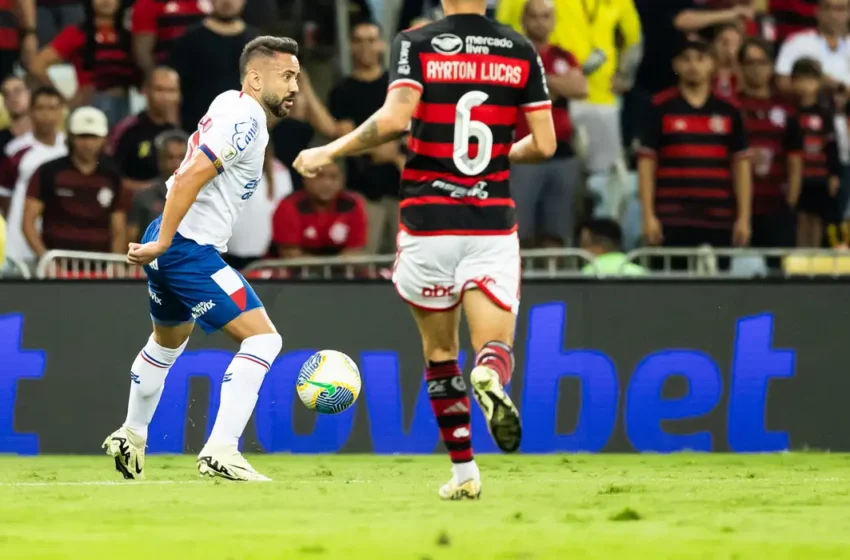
[{"x": 329, "y": 382}]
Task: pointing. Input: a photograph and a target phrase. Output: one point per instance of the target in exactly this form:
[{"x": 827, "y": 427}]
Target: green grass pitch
[{"x": 351, "y": 507}]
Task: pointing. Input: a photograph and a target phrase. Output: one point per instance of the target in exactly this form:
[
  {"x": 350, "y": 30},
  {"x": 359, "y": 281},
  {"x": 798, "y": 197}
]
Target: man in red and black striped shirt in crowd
[
  {"x": 158, "y": 23},
  {"x": 694, "y": 169},
  {"x": 464, "y": 81},
  {"x": 776, "y": 144}
]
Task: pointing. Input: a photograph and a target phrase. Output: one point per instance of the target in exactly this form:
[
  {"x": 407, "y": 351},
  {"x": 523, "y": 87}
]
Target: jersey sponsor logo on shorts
[
  {"x": 447, "y": 43},
  {"x": 244, "y": 133},
  {"x": 478, "y": 190},
  {"x": 201, "y": 308},
  {"x": 482, "y": 45},
  {"x": 154, "y": 298},
  {"x": 250, "y": 188},
  {"x": 404, "y": 58},
  {"x": 230, "y": 281},
  {"x": 437, "y": 291}
]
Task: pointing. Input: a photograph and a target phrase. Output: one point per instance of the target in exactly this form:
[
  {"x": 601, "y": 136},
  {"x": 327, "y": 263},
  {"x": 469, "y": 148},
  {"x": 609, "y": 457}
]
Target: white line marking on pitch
[{"x": 105, "y": 483}]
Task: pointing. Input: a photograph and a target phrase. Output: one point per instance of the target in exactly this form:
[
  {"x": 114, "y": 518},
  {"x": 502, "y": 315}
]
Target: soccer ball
[{"x": 329, "y": 382}]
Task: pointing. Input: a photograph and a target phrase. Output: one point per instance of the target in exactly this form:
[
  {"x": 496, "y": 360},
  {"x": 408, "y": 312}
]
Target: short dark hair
[
  {"x": 755, "y": 43},
  {"x": 807, "y": 68},
  {"x": 268, "y": 46},
  {"x": 168, "y": 136},
  {"x": 46, "y": 91},
  {"x": 156, "y": 70},
  {"x": 604, "y": 232},
  {"x": 363, "y": 21}
]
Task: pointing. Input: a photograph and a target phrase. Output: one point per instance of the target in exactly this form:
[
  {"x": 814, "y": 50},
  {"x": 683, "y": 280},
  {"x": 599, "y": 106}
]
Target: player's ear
[{"x": 254, "y": 79}]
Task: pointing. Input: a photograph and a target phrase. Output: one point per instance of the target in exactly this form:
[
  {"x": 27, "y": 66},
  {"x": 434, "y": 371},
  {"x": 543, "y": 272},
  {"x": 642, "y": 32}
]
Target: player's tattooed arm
[{"x": 390, "y": 122}]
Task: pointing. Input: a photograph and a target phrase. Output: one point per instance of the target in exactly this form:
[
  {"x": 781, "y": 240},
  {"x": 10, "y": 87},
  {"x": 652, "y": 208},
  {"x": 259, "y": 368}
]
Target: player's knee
[{"x": 264, "y": 346}]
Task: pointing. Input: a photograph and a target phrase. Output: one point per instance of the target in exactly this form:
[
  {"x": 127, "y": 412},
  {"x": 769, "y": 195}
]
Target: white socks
[
  {"x": 466, "y": 471},
  {"x": 147, "y": 381},
  {"x": 241, "y": 384}
]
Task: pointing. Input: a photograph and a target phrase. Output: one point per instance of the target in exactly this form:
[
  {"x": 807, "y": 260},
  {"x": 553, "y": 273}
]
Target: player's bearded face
[{"x": 281, "y": 87}]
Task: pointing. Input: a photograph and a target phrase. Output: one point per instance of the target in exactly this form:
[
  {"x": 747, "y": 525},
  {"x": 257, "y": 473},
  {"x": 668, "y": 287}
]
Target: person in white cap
[{"x": 78, "y": 197}]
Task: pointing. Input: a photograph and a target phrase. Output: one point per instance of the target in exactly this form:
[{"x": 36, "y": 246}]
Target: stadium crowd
[{"x": 760, "y": 155}]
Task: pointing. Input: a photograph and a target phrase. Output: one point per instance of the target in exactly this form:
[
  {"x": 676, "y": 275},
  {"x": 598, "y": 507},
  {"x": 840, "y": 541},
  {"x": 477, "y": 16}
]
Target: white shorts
[{"x": 432, "y": 272}]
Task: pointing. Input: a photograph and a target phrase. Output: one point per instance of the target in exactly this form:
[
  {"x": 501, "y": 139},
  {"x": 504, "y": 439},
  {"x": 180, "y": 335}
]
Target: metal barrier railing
[
  {"x": 82, "y": 265},
  {"x": 662, "y": 262},
  {"x": 738, "y": 263},
  {"x": 15, "y": 268}
]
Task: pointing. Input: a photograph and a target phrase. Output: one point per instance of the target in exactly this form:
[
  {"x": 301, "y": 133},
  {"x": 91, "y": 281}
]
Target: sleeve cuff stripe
[
  {"x": 405, "y": 82},
  {"x": 219, "y": 166}
]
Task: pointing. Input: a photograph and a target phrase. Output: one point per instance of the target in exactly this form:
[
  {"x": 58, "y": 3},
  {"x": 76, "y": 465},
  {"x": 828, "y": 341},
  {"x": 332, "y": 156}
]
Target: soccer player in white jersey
[{"x": 188, "y": 281}]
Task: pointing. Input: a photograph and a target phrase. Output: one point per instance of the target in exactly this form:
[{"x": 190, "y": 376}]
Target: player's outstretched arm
[
  {"x": 188, "y": 182},
  {"x": 541, "y": 143},
  {"x": 387, "y": 123}
]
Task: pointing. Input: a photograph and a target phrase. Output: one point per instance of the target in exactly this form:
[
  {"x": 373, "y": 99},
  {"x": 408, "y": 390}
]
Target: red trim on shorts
[
  {"x": 487, "y": 293},
  {"x": 401, "y": 227}
]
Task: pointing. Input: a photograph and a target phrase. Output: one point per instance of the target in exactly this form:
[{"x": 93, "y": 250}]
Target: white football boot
[
  {"x": 227, "y": 462},
  {"x": 128, "y": 449},
  {"x": 467, "y": 490},
  {"x": 502, "y": 416}
]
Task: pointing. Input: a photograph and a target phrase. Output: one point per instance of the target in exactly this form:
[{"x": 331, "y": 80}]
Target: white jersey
[{"x": 234, "y": 135}]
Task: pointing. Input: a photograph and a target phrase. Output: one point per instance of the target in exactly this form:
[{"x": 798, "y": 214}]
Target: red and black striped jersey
[
  {"x": 476, "y": 77},
  {"x": 168, "y": 20},
  {"x": 773, "y": 133},
  {"x": 695, "y": 148},
  {"x": 820, "y": 149},
  {"x": 793, "y": 16}
]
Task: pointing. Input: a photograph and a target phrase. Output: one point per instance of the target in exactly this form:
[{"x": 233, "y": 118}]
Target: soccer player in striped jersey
[
  {"x": 460, "y": 84},
  {"x": 188, "y": 281}
]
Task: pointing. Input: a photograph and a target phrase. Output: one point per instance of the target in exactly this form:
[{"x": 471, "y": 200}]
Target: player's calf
[
  {"x": 147, "y": 380},
  {"x": 451, "y": 405}
]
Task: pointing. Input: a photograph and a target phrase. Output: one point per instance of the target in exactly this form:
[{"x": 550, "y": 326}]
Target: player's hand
[
  {"x": 652, "y": 230},
  {"x": 145, "y": 253},
  {"x": 745, "y": 11},
  {"x": 741, "y": 232},
  {"x": 308, "y": 162},
  {"x": 834, "y": 185}
]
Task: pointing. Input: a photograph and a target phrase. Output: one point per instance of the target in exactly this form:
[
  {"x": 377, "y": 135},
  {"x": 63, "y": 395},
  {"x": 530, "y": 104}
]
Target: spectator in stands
[
  {"x": 548, "y": 188},
  {"x": 376, "y": 175},
  {"x": 27, "y": 152},
  {"x": 818, "y": 202},
  {"x": 792, "y": 16},
  {"x": 132, "y": 141},
  {"x": 321, "y": 219},
  {"x": 158, "y": 24},
  {"x": 727, "y": 46},
  {"x": 18, "y": 40},
  {"x": 664, "y": 22},
  {"x": 169, "y": 149},
  {"x": 52, "y": 16},
  {"x": 828, "y": 45},
  {"x": 207, "y": 59},
  {"x": 694, "y": 169},
  {"x": 308, "y": 116},
  {"x": 99, "y": 49},
  {"x": 78, "y": 197},
  {"x": 776, "y": 144},
  {"x": 604, "y": 238},
  {"x": 590, "y": 30},
  {"x": 16, "y": 99}
]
